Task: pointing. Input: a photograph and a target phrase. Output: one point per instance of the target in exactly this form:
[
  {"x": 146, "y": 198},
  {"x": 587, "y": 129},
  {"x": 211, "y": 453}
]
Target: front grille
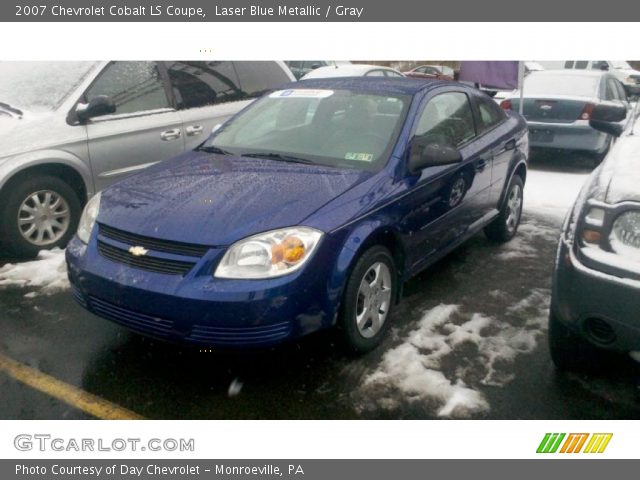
[
  {"x": 139, "y": 322},
  {"x": 146, "y": 262},
  {"x": 166, "y": 246}
]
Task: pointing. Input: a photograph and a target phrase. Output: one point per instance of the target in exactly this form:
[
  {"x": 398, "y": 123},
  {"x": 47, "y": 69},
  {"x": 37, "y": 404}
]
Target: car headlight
[
  {"x": 88, "y": 219},
  {"x": 625, "y": 234},
  {"x": 269, "y": 254}
]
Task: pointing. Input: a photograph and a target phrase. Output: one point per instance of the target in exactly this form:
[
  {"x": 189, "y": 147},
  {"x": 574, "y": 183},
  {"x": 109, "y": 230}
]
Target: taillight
[
  {"x": 587, "y": 111},
  {"x": 506, "y": 104}
]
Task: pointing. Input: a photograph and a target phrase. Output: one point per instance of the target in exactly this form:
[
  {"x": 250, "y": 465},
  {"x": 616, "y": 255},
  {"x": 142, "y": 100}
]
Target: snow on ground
[
  {"x": 446, "y": 361},
  {"x": 551, "y": 194},
  {"x": 46, "y": 274}
]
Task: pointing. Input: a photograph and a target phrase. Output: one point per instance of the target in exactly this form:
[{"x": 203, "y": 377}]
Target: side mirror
[
  {"x": 606, "y": 117},
  {"x": 97, "y": 107},
  {"x": 431, "y": 152},
  {"x": 632, "y": 91}
]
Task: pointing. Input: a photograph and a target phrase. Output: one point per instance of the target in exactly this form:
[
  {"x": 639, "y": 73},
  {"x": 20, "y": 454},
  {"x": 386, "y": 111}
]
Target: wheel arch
[{"x": 62, "y": 165}]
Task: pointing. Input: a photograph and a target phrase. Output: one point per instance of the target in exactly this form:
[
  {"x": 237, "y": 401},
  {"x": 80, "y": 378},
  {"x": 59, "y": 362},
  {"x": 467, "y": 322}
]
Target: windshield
[
  {"x": 621, "y": 65},
  {"x": 328, "y": 127},
  {"x": 564, "y": 83},
  {"x": 39, "y": 86}
]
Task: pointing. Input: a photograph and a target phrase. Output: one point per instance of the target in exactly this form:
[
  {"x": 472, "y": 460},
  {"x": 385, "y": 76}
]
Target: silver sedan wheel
[
  {"x": 374, "y": 300},
  {"x": 514, "y": 208},
  {"x": 43, "y": 218}
]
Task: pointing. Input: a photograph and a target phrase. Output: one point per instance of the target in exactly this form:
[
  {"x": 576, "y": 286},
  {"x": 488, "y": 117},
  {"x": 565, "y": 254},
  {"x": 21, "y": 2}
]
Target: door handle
[
  {"x": 172, "y": 134},
  {"x": 193, "y": 130},
  {"x": 481, "y": 165},
  {"x": 510, "y": 145}
]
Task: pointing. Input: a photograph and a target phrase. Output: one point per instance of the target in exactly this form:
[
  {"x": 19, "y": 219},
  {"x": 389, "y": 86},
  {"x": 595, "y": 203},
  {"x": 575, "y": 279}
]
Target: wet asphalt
[{"x": 314, "y": 378}]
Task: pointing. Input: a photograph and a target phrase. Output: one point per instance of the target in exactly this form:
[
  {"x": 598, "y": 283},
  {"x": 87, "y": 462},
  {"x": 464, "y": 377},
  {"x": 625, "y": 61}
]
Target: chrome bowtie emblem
[
  {"x": 546, "y": 107},
  {"x": 138, "y": 251}
]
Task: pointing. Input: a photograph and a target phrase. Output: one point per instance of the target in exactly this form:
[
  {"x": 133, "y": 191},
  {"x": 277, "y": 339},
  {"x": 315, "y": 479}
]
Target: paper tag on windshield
[
  {"x": 301, "y": 93},
  {"x": 361, "y": 157}
]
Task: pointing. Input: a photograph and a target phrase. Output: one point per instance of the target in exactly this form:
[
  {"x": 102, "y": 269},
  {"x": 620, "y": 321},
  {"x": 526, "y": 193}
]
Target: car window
[
  {"x": 313, "y": 64},
  {"x": 375, "y": 73},
  {"x": 391, "y": 73},
  {"x": 621, "y": 92},
  {"x": 133, "y": 87},
  {"x": 258, "y": 77},
  {"x": 490, "y": 113},
  {"x": 198, "y": 84},
  {"x": 447, "y": 118},
  {"x": 568, "y": 64},
  {"x": 600, "y": 65},
  {"x": 611, "y": 92},
  {"x": 582, "y": 64}
]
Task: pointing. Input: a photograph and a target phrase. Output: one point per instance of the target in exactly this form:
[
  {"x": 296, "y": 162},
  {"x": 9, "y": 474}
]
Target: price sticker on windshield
[{"x": 301, "y": 93}]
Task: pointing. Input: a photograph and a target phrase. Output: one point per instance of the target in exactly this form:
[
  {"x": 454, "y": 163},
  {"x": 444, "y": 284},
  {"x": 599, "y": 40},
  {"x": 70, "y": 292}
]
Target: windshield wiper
[
  {"x": 11, "y": 109},
  {"x": 212, "y": 149},
  {"x": 280, "y": 157}
]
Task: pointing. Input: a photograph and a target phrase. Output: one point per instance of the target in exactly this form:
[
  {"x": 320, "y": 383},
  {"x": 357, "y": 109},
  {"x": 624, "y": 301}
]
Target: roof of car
[
  {"x": 397, "y": 86},
  {"x": 571, "y": 72},
  {"x": 352, "y": 69}
]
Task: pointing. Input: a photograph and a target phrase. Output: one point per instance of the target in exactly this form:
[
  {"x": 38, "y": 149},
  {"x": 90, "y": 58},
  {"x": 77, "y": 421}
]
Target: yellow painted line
[{"x": 77, "y": 398}]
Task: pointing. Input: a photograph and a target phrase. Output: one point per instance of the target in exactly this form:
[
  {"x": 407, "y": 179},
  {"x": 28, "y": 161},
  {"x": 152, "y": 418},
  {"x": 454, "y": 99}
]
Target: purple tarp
[{"x": 502, "y": 75}]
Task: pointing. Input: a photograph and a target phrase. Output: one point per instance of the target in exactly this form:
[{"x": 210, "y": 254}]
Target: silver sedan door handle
[
  {"x": 172, "y": 134},
  {"x": 193, "y": 130}
]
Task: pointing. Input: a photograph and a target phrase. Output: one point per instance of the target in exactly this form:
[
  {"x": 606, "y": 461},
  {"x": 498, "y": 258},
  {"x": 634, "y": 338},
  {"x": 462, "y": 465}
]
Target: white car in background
[
  {"x": 353, "y": 70},
  {"x": 618, "y": 68}
]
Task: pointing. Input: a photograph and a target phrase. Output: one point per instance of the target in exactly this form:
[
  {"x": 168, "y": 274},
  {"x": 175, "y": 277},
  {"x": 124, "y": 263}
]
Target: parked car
[
  {"x": 353, "y": 70},
  {"x": 558, "y": 105},
  {"x": 596, "y": 282},
  {"x": 300, "y": 68},
  {"x": 69, "y": 129},
  {"x": 618, "y": 68},
  {"x": 438, "y": 72},
  {"x": 308, "y": 209}
]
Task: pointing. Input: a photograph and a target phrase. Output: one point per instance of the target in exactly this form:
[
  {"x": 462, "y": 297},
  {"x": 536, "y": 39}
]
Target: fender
[
  {"x": 14, "y": 165},
  {"x": 353, "y": 241},
  {"x": 519, "y": 160}
]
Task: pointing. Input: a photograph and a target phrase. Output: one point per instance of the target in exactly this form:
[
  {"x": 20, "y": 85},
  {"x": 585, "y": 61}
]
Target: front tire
[
  {"x": 368, "y": 300},
  {"x": 38, "y": 213},
  {"x": 505, "y": 225}
]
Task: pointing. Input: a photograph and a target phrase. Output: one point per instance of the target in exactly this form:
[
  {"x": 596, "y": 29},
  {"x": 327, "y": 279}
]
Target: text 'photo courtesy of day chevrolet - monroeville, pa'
[{"x": 321, "y": 239}]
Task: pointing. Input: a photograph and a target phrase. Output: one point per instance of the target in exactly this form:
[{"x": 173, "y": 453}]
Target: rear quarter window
[{"x": 257, "y": 78}]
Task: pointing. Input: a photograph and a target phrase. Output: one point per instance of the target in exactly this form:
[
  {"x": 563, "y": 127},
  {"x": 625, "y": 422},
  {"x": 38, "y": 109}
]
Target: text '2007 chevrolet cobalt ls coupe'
[{"x": 306, "y": 210}]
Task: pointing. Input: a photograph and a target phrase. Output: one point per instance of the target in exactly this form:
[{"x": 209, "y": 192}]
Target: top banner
[{"x": 314, "y": 11}]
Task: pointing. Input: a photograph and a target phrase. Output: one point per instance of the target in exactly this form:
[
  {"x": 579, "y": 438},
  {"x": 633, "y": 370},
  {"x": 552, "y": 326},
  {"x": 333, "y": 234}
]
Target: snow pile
[
  {"x": 551, "y": 193},
  {"x": 48, "y": 273},
  {"x": 443, "y": 363},
  {"x": 523, "y": 244}
]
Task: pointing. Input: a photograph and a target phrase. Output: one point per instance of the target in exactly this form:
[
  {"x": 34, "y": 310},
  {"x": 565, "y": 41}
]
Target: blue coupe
[{"x": 307, "y": 210}]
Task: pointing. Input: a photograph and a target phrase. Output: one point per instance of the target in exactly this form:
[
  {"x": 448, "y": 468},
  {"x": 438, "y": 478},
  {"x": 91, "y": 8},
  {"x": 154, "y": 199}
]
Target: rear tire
[
  {"x": 505, "y": 225},
  {"x": 38, "y": 213},
  {"x": 368, "y": 300}
]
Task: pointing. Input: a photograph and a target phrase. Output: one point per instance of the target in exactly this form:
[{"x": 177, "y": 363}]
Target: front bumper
[
  {"x": 581, "y": 294},
  {"x": 202, "y": 310},
  {"x": 577, "y": 136}
]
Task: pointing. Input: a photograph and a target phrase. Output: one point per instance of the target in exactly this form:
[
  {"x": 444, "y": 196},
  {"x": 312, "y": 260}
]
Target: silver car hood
[{"x": 35, "y": 132}]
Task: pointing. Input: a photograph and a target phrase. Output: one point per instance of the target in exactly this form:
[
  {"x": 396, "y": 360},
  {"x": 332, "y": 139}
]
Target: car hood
[
  {"x": 33, "y": 131},
  {"x": 215, "y": 200},
  {"x": 621, "y": 171}
]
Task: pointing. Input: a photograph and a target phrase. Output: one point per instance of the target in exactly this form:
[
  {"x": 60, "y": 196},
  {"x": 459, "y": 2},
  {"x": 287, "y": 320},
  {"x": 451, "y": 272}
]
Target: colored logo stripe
[{"x": 574, "y": 443}]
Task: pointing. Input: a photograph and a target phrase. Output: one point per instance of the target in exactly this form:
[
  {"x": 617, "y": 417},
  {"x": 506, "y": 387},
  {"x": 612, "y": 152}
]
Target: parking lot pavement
[{"x": 468, "y": 341}]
